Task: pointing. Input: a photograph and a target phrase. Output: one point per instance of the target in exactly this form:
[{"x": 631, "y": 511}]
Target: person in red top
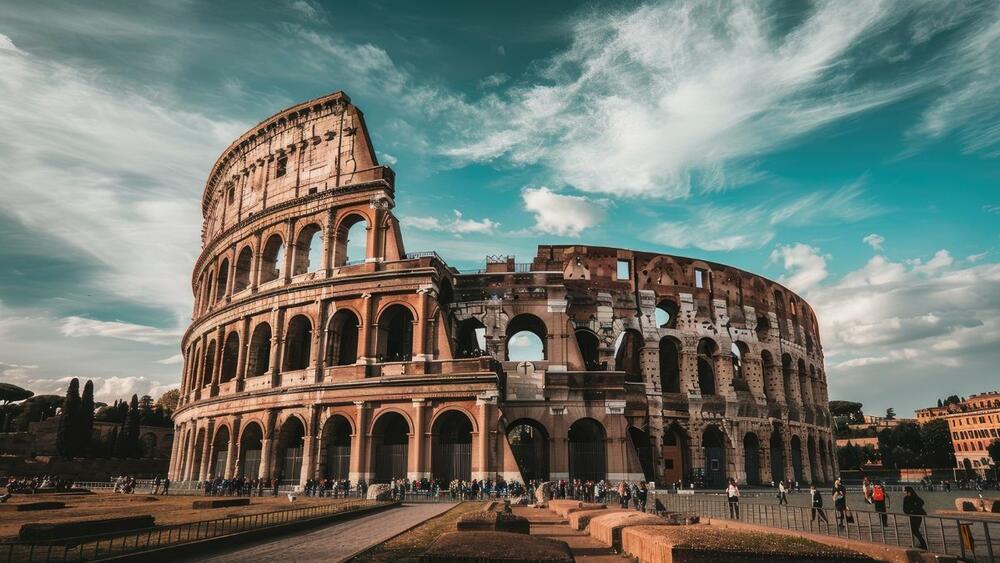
[{"x": 881, "y": 502}]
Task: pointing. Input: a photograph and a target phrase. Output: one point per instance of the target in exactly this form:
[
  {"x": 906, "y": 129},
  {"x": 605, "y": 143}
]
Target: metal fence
[
  {"x": 103, "y": 546},
  {"x": 969, "y": 538}
]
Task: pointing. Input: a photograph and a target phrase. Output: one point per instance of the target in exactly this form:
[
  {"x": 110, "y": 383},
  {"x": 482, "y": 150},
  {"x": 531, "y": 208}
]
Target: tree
[
  {"x": 169, "y": 400},
  {"x": 37, "y": 408},
  {"x": 952, "y": 400},
  {"x": 10, "y": 393},
  {"x": 938, "y": 451},
  {"x": 890, "y": 413},
  {"x": 132, "y": 428},
  {"x": 66, "y": 442},
  {"x": 994, "y": 450},
  {"x": 940, "y": 404},
  {"x": 849, "y": 457},
  {"x": 86, "y": 417},
  {"x": 905, "y": 437}
]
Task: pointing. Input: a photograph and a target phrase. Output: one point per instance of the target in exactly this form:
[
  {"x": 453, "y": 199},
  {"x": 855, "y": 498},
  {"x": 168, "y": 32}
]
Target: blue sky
[{"x": 849, "y": 149}]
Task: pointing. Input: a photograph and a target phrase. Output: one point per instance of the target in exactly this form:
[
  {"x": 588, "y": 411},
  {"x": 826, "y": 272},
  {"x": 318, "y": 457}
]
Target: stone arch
[
  {"x": 796, "y": 447},
  {"x": 307, "y": 256},
  {"x": 471, "y": 341},
  {"x": 813, "y": 465},
  {"x": 777, "y": 450},
  {"x": 670, "y": 365},
  {"x": 199, "y": 448},
  {"x": 751, "y": 458},
  {"x": 288, "y": 450},
  {"x": 675, "y": 450},
  {"x": 707, "y": 351},
  {"x": 529, "y": 443},
  {"x": 763, "y": 328},
  {"x": 222, "y": 280},
  {"x": 394, "y": 341},
  {"x": 342, "y": 338},
  {"x": 628, "y": 355},
  {"x": 740, "y": 353},
  {"x": 587, "y": 450},
  {"x": 390, "y": 445},
  {"x": 644, "y": 450},
  {"x": 351, "y": 227},
  {"x": 531, "y": 324},
  {"x": 589, "y": 345},
  {"x": 259, "y": 352},
  {"x": 298, "y": 343},
  {"x": 786, "y": 377},
  {"x": 209, "y": 369},
  {"x": 666, "y": 313},
  {"x": 230, "y": 357},
  {"x": 244, "y": 266},
  {"x": 220, "y": 452},
  {"x": 451, "y": 445},
  {"x": 272, "y": 260},
  {"x": 335, "y": 454},
  {"x": 251, "y": 444},
  {"x": 804, "y": 385},
  {"x": 713, "y": 443}
]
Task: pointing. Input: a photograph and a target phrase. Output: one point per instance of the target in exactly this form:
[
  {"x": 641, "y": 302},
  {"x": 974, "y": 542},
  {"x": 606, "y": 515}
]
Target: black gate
[
  {"x": 587, "y": 461},
  {"x": 715, "y": 468},
  {"x": 390, "y": 462},
  {"x": 452, "y": 461},
  {"x": 338, "y": 462}
]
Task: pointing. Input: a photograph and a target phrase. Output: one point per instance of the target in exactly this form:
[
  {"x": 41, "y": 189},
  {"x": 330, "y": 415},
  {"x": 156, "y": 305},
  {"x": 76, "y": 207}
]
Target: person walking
[
  {"x": 642, "y": 494},
  {"x": 817, "y": 505},
  {"x": 840, "y": 502},
  {"x": 782, "y": 493},
  {"x": 166, "y": 486},
  {"x": 914, "y": 506},
  {"x": 733, "y": 497},
  {"x": 866, "y": 490},
  {"x": 881, "y": 502}
]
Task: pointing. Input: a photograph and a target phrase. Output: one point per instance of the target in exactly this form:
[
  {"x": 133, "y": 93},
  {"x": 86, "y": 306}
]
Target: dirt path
[{"x": 335, "y": 542}]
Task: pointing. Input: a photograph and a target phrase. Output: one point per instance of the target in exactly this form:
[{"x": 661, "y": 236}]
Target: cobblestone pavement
[{"x": 334, "y": 542}]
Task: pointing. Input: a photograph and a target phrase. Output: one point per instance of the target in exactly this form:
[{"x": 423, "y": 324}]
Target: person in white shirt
[
  {"x": 782, "y": 493},
  {"x": 733, "y": 496}
]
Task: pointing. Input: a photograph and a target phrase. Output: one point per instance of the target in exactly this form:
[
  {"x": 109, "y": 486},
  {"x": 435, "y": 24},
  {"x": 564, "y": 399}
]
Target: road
[{"x": 334, "y": 542}]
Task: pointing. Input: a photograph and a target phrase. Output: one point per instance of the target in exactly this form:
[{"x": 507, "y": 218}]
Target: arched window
[
  {"x": 777, "y": 446},
  {"x": 259, "y": 357},
  {"x": 529, "y": 443},
  {"x": 337, "y": 445},
  {"x": 342, "y": 339},
  {"x": 670, "y": 365},
  {"x": 451, "y": 453},
  {"x": 587, "y": 452},
  {"x": 288, "y": 460},
  {"x": 351, "y": 241},
  {"x": 707, "y": 350},
  {"x": 628, "y": 355},
  {"x": 251, "y": 442},
  {"x": 230, "y": 357},
  {"x": 223, "y": 280},
  {"x": 298, "y": 343},
  {"x": 471, "y": 339},
  {"x": 786, "y": 377},
  {"x": 273, "y": 259},
  {"x": 220, "y": 451},
  {"x": 763, "y": 328},
  {"x": 308, "y": 250},
  {"x": 666, "y": 314},
  {"x": 526, "y": 335},
  {"x": 244, "y": 263},
  {"x": 395, "y": 334},
  {"x": 391, "y": 439},
  {"x": 767, "y": 365},
  {"x": 804, "y": 386},
  {"x": 207, "y": 299},
  {"x": 588, "y": 343},
  {"x": 209, "y": 369},
  {"x": 739, "y": 350},
  {"x": 797, "y": 459}
]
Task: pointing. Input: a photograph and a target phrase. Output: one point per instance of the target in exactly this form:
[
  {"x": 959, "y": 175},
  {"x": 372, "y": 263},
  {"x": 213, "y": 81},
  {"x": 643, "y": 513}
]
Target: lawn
[{"x": 408, "y": 546}]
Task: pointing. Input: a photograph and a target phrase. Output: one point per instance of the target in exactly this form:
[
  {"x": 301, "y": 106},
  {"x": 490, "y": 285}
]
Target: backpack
[{"x": 878, "y": 494}]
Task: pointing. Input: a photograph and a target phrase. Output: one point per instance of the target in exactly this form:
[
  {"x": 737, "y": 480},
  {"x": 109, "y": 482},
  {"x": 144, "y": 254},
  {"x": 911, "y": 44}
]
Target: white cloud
[
  {"x": 307, "y": 9},
  {"x": 458, "y": 226},
  {"x": 388, "y": 158},
  {"x": 494, "y": 80},
  {"x": 875, "y": 241},
  {"x": 7, "y": 45},
  {"x": 172, "y": 360},
  {"x": 645, "y": 101},
  {"x": 78, "y": 327},
  {"x": 560, "y": 214},
  {"x": 805, "y": 263},
  {"x": 111, "y": 388}
]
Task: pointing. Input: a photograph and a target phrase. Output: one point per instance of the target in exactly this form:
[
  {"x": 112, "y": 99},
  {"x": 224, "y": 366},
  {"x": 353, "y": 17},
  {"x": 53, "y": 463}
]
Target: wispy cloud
[
  {"x": 560, "y": 214},
  {"x": 78, "y": 327},
  {"x": 458, "y": 225}
]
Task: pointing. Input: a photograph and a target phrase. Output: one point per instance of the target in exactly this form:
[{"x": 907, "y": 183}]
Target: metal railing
[
  {"x": 89, "y": 548},
  {"x": 969, "y": 538}
]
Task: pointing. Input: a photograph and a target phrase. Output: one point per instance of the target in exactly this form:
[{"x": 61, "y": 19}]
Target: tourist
[
  {"x": 840, "y": 502},
  {"x": 914, "y": 505},
  {"x": 866, "y": 490},
  {"x": 642, "y": 494},
  {"x": 733, "y": 497},
  {"x": 881, "y": 502},
  {"x": 156, "y": 485},
  {"x": 817, "y": 505},
  {"x": 782, "y": 493},
  {"x": 166, "y": 486}
]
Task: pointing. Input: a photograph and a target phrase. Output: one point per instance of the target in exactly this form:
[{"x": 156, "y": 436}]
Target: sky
[{"x": 848, "y": 149}]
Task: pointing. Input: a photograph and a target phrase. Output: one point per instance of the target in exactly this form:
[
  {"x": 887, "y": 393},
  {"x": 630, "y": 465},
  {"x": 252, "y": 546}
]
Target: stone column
[
  {"x": 365, "y": 353},
  {"x": 244, "y": 354},
  {"x": 308, "y": 458},
  {"x": 286, "y": 273},
  {"x": 265, "y": 458},
  {"x": 419, "y": 437},
  {"x": 420, "y": 326},
  {"x": 359, "y": 444},
  {"x": 231, "y": 274},
  {"x": 206, "y": 455},
  {"x": 220, "y": 343},
  {"x": 316, "y": 346},
  {"x": 482, "y": 439},
  {"x": 255, "y": 264},
  {"x": 188, "y": 472},
  {"x": 234, "y": 449},
  {"x": 786, "y": 438},
  {"x": 277, "y": 337},
  {"x": 372, "y": 251},
  {"x": 329, "y": 243}
]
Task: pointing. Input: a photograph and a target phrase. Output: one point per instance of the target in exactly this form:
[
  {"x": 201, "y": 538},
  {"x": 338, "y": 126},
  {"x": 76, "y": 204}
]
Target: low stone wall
[
  {"x": 219, "y": 503},
  {"x": 580, "y": 519},
  {"x": 560, "y": 506},
  {"x": 487, "y": 547},
  {"x": 65, "y": 530},
  {"x": 30, "y": 506},
  {"x": 608, "y": 528},
  {"x": 978, "y": 504},
  {"x": 493, "y": 521}
]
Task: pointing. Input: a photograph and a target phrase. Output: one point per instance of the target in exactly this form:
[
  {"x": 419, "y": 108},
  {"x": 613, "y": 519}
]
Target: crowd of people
[{"x": 32, "y": 484}]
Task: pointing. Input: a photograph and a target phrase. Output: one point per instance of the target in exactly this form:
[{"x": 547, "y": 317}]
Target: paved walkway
[
  {"x": 547, "y": 524},
  {"x": 334, "y": 542}
]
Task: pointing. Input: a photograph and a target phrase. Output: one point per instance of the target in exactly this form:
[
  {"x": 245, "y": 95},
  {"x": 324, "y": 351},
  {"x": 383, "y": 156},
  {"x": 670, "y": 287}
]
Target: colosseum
[{"x": 321, "y": 348}]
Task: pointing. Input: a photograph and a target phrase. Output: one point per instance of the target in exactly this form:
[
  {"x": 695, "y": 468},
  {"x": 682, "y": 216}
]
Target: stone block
[
  {"x": 608, "y": 528},
  {"x": 65, "y": 530},
  {"x": 492, "y": 521},
  {"x": 561, "y": 506},
  {"x": 968, "y": 504},
  {"x": 487, "y": 547},
  {"x": 379, "y": 491},
  {"x": 219, "y": 503},
  {"x": 580, "y": 519},
  {"x": 30, "y": 506}
]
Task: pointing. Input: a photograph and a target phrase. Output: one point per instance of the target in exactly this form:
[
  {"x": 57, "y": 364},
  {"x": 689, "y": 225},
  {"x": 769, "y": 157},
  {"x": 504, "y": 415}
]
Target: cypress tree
[
  {"x": 132, "y": 428},
  {"x": 66, "y": 443},
  {"x": 86, "y": 417}
]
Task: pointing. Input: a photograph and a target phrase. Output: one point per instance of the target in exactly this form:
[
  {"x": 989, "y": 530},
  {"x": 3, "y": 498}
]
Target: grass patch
[
  {"x": 409, "y": 546},
  {"x": 763, "y": 545}
]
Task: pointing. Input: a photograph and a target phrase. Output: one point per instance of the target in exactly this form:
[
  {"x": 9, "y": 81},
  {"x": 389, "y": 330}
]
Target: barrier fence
[
  {"x": 89, "y": 548},
  {"x": 969, "y": 538}
]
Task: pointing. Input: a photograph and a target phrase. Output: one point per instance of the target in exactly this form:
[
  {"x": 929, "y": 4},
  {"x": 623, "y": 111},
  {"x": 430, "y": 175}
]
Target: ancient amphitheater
[{"x": 305, "y": 360}]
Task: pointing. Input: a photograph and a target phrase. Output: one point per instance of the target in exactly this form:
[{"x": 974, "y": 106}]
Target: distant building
[{"x": 974, "y": 424}]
